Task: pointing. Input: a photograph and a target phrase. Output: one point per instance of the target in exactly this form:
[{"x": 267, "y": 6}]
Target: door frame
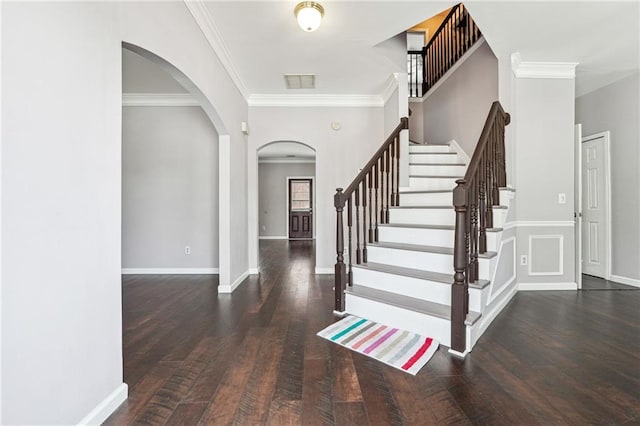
[
  {"x": 606, "y": 136},
  {"x": 578, "y": 202},
  {"x": 313, "y": 202}
]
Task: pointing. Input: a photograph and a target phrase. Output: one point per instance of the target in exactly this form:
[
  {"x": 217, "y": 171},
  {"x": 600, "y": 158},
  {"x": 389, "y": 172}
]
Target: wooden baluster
[
  {"x": 376, "y": 175},
  {"x": 489, "y": 164},
  {"x": 350, "y": 245},
  {"x": 358, "y": 253},
  {"x": 473, "y": 242},
  {"x": 495, "y": 171},
  {"x": 482, "y": 206},
  {"x": 424, "y": 72},
  {"x": 382, "y": 173},
  {"x": 364, "y": 220},
  {"x": 392, "y": 172},
  {"x": 450, "y": 43},
  {"x": 398, "y": 171},
  {"x": 387, "y": 191},
  {"x": 371, "y": 210},
  {"x": 460, "y": 287},
  {"x": 340, "y": 268}
]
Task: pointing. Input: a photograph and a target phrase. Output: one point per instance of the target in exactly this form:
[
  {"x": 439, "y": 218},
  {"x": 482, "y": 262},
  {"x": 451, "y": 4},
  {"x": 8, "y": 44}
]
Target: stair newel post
[
  {"x": 364, "y": 220},
  {"x": 349, "y": 244},
  {"x": 340, "y": 268},
  {"x": 358, "y": 252},
  {"x": 460, "y": 287}
]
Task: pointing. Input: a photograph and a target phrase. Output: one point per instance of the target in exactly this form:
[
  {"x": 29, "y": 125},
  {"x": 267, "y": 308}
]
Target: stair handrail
[
  {"x": 451, "y": 40},
  {"x": 473, "y": 200},
  {"x": 379, "y": 179}
]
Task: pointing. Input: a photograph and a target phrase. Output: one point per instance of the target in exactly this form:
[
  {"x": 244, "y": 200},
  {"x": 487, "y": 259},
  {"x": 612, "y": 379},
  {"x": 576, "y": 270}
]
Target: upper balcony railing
[{"x": 453, "y": 38}]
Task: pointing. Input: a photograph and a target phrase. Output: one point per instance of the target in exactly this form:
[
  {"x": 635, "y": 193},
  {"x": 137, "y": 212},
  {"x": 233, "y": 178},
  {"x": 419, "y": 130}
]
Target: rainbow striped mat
[{"x": 401, "y": 349}]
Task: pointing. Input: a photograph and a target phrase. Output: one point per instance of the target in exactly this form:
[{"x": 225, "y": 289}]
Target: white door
[
  {"x": 578, "y": 202},
  {"x": 595, "y": 205}
]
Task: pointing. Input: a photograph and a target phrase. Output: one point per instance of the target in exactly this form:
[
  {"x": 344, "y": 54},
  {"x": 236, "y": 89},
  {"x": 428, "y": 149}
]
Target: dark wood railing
[
  {"x": 453, "y": 38},
  {"x": 473, "y": 200},
  {"x": 367, "y": 201}
]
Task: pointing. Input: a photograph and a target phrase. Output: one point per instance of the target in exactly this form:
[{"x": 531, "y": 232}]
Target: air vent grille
[{"x": 300, "y": 81}]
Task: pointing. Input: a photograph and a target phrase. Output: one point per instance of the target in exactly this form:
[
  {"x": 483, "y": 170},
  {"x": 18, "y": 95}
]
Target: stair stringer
[{"x": 503, "y": 283}]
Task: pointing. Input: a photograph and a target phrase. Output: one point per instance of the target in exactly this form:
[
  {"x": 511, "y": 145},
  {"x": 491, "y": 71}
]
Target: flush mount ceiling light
[{"x": 309, "y": 15}]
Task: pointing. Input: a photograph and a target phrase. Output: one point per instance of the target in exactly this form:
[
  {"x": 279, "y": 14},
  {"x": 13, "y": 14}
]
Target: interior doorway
[
  {"x": 595, "y": 191},
  {"x": 300, "y": 207}
]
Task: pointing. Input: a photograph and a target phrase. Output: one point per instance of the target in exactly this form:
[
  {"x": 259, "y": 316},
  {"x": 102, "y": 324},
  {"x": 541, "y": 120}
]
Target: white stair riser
[
  {"x": 440, "y": 170},
  {"x": 417, "y": 288},
  {"x": 478, "y": 299},
  {"x": 429, "y": 148},
  {"x": 432, "y": 183},
  {"x": 485, "y": 267},
  {"x": 418, "y": 216},
  {"x": 431, "y": 237},
  {"x": 432, "y": 291},
  {"x": 433, "y": 199},
  {"x": 436, "y": 262},
  {"x": 434, "y": 158},
  {"x": 426, "y": 261},
  {"x": 404, "y": 319}
]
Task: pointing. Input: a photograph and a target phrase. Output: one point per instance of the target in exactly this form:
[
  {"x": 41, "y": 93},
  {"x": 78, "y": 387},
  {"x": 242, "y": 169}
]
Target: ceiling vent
[{"x": 300, "y": 81}]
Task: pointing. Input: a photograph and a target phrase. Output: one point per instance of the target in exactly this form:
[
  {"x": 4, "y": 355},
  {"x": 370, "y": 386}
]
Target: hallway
[{"x": 192, "y": 356}]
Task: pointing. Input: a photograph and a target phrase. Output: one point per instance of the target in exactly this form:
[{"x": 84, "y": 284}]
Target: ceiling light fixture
[{"x": 309, "y": 15}]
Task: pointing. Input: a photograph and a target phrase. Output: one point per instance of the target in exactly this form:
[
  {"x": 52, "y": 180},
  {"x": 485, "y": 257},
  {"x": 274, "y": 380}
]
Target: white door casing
[
  {"x": 596, "y": 205},
  {"x": 578, "y": 203}
]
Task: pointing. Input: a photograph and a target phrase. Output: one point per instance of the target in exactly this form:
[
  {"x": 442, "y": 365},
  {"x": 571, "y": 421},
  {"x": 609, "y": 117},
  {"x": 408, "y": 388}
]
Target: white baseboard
[
  {"x": 169, "y": 271},
  {"x": 459, "y": 354},
  {"x": 274, "y": 238},
  {"x": 625, "y": 280},
  {"x": 547, "y": 286},
  {"x": 254, "y": 271},
  {"x": 325, "y": 271},
  {"x": 234, "y": 285},
  {"x": 340, "y": 314},
  {"x": 108, "y": 405}
]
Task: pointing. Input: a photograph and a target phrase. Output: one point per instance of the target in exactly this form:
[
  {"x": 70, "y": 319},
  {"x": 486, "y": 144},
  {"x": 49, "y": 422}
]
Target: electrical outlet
[
  {"x": 187, "y": 250},
  {"x": 562, "y": 198},
  {"x": 524, "y": 260}
]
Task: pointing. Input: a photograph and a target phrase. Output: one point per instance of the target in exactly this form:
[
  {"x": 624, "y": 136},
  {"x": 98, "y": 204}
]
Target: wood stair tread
[
  {"x": 437, "y": 164},
  {"x": 436, "y": 176},
  {"x": 417, "y": 273},
  {"x": 433, "y": 153},
  {"x": 414, "y": 247},
  {"x": 410, "y": 303},
  {"x": 421, "y": 207},
  {"x": 418, "y": 226}
]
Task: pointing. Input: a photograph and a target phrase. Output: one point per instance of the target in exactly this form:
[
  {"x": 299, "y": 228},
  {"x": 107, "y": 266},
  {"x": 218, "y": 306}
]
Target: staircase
[
  {"x": 421, "y": 258},
  {"x": 406, "y": 281}
]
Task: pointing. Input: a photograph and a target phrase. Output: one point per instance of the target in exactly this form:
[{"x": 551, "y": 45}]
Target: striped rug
[{"x": 401, "y": 349}]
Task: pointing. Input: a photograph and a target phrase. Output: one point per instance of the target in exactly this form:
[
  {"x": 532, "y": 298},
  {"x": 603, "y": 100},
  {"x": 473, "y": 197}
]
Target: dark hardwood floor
[
  {"x": 590, "y": 282},
  {"x": 192, "y": 356}
]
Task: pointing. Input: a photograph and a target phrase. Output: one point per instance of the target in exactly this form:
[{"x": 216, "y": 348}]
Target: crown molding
[
  {"x": 203, "y": 19},
  {"x": 522, "y": 69},
  {"x": 159, "y": 99},
  {"x": 258, "y": 100},
  {"x": 390, "y": 87}
]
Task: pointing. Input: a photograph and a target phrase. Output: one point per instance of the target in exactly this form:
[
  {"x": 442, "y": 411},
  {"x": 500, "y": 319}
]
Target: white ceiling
[{"x": 264, "y": 41}]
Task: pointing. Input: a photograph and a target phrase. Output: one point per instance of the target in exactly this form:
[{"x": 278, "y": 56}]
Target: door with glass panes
[{"x": 300, "y": 208}]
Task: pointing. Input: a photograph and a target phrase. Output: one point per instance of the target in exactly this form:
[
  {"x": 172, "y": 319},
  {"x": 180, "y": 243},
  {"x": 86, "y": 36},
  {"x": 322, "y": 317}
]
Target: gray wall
[
  {"x": 416, "y": 122},
  {"x": 616, "y": 108},
  {"x": 458, "y": 108},
  {"x": 272, "y": 196},
  {"x": 61, "y": 193},
  {"x": 543, "y": 114},
  {"x": 391, "y": 114},
  {"x": 169, "y": 188}
]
